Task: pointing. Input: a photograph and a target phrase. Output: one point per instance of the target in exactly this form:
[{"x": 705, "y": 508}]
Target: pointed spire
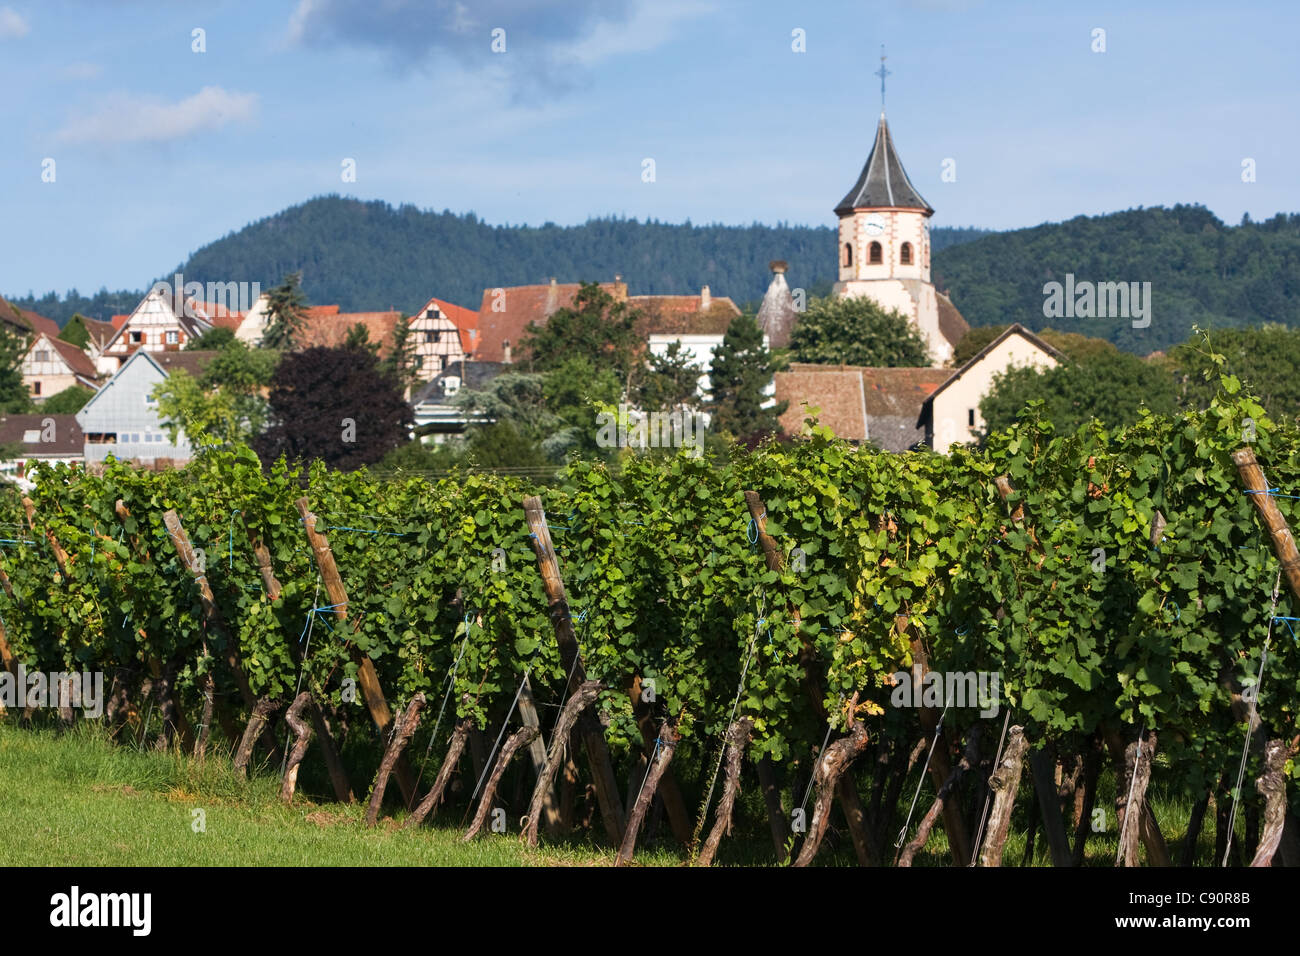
[{"x": 883, "y": 181}]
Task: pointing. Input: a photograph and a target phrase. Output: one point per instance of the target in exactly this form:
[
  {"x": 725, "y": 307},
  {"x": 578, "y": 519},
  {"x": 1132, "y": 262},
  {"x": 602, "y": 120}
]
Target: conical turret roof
[{"x": 883, "y": 181}]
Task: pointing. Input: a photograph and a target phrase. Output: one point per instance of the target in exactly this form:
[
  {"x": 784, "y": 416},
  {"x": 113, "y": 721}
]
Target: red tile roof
[
  {"x": 73, "y": 357},
  {"x": 858, "y": 403},
  {"x": 26, "y": 319},
  {"x": 503, "y": 317},
  {"x": 326, "y": 326}
]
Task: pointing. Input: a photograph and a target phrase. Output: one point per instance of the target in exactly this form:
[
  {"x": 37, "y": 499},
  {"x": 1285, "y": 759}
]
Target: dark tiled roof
[
  {"x": 67, "y": 442},
  {"x": 675, "y": 321},
  {"x": 881, "y": 405},
  {"x": 331, "y": 329},
  {"x": 192, "y": 362},
  {"x": 882, "y": 182},
  {"x": 471, "y": 375}
]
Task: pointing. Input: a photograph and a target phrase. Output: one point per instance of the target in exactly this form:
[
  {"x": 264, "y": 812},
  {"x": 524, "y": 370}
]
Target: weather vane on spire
[{"x": 882, "y": 73}]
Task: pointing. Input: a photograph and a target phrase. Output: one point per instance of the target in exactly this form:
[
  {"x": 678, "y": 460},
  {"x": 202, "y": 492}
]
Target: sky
[{"x": 131, "y": 140}]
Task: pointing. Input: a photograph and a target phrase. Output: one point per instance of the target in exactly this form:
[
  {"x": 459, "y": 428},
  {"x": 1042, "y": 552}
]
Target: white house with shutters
[
  {"x": 442, "y": 334},
  {"x": 50, "y": 365},
  {"x": 156, "y": 325}
]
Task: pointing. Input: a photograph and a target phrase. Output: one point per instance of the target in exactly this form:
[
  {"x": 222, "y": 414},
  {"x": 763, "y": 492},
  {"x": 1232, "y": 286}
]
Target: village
[{"x": 885, "y": 256}]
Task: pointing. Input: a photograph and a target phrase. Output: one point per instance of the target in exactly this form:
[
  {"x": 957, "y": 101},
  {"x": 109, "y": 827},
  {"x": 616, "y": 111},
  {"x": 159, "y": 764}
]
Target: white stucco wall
[{"x": 953, "y": 407}]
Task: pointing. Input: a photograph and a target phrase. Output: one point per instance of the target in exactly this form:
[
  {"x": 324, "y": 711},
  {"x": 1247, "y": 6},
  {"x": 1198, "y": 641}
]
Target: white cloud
[
  {"x": 12, "y": 24},
  {"x": 650, "y": 27},
  {"x": 134, "y": 119}
]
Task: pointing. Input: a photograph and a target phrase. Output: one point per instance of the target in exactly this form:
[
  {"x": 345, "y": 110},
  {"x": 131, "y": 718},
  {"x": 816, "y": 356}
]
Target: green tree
[
  {"x": 75, "y": 331},
  {"x": 67, "y": 402},
  {"x": 596, "y": 327},
  {"x": 401, "y": 364},
  {"x": 215, "y": 338},
  {"x": 670, "y": 381},
  {"x": 1264, "y": 359},
  {"x": 1074, "y": 345},
  {"x": 738, "y": 378},
  {"x": 14, "y": 395},
  {"x": 856, "y": 331},
  {"x": 226, "y": 402},
  {"x": 286, "y": 313},
  {"x": 1111, "y": 388},
  {"x": 358, "y": 337}
]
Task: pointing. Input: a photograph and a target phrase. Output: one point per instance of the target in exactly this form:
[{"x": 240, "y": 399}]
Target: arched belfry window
[
  {"x": 876, "y": 256},
  {"x": 848, "y": 253},
  {"x": 905, "y": 254}
]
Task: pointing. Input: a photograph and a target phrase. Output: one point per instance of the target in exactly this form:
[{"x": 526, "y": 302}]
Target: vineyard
[{"x": 880, "y": 645}]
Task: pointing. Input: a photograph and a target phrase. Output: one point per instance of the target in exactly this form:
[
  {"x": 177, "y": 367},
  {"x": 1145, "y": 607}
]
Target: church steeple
[{"x": 883, "y": 182}]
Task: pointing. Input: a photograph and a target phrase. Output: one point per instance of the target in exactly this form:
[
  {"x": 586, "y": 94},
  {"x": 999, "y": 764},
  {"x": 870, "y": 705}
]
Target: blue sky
[{"x": 159, "y": 149}]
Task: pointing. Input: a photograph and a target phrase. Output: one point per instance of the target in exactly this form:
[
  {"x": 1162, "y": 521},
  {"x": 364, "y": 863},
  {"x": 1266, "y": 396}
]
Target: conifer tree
[{"x": 741, "y": 371}]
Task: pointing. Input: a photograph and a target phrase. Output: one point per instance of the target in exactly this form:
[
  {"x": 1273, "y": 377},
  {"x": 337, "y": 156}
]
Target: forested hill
[
  {"x": 370, "y": 255},
  {"x": 1201, "y": 271}
]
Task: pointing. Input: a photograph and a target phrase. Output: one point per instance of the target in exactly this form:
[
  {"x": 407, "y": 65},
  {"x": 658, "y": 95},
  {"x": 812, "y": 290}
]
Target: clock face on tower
[{"x": 874, "y": 224}]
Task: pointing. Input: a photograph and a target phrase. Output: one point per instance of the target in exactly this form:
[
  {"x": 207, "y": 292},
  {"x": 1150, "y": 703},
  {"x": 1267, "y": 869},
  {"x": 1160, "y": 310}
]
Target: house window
[
  {"x": 876, "y": 257},
  {"x": 432, "y": 335},
  {"x": 137, "y": 338},
  {"x": 42, "y": 355},
  {"x": 36, "y": 388},
  {"x": 173, "y": 338},
  {"x": 150, "y": 402},
  {"x": 970, "y": 417},
  {"x": 905, "y": 254},
  {"x": 848, "y": 254}
]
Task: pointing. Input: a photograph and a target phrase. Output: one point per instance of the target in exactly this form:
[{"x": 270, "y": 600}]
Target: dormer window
[
  {"x": 876, "y": 255},
  {"x": 451, "y": 385},
  {"x": 905, "y": 254}
]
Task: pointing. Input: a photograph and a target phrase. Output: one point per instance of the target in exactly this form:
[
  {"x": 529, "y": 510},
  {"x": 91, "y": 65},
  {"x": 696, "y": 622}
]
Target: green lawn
[{"x": 80, "y": 801}]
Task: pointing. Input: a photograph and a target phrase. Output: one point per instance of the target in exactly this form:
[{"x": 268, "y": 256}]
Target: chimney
[
  {"x": 505, "y": 351},
  {"x": 777, "y": 266},
  {"x": 706, "y": 300}
]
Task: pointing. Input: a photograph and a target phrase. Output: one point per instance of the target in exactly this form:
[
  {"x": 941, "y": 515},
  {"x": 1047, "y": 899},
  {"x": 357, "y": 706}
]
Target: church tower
[{"x": 884, "y": 243}]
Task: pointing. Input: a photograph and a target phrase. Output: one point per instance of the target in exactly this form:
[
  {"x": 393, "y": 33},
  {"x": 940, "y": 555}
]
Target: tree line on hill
[{"x": 370, "y": 255}]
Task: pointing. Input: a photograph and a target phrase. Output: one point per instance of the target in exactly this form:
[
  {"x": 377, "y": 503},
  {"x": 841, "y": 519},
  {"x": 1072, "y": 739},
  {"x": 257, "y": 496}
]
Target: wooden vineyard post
[
  {"x": 434, "y": 796},
  {"x": 302, "y": 738},
  {"x": 367, "y": 677},
  {"x": 578, "y": 702},
  {"x": 333, "y": 763},
  {"x": 831, "y": 765},
  {"x": 1042, "y": 764},
  {"x": 969, "y": 759},
  {"x": 669, "y": 792},
  {"x": 60, "y": 556},
  {"x": 1135, "y": 775},
  {"x": 1284, "y": 546},
  {"x": 172, "y": 521},
  {"x": 737, "y": 737},
  {"x": 1272, "y": 787},
  {"x": 257, "y": 722},
  {"x": 1004, "y": 783},
  {"x": 537, "y": 754},
  {"x": 593, "y": 737},
  {"x": 667, "y": 746},
  {"x": 845, "y": 790},
  {"x": 520, "y": 738},
  {"x": 402, "y": 734}
]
